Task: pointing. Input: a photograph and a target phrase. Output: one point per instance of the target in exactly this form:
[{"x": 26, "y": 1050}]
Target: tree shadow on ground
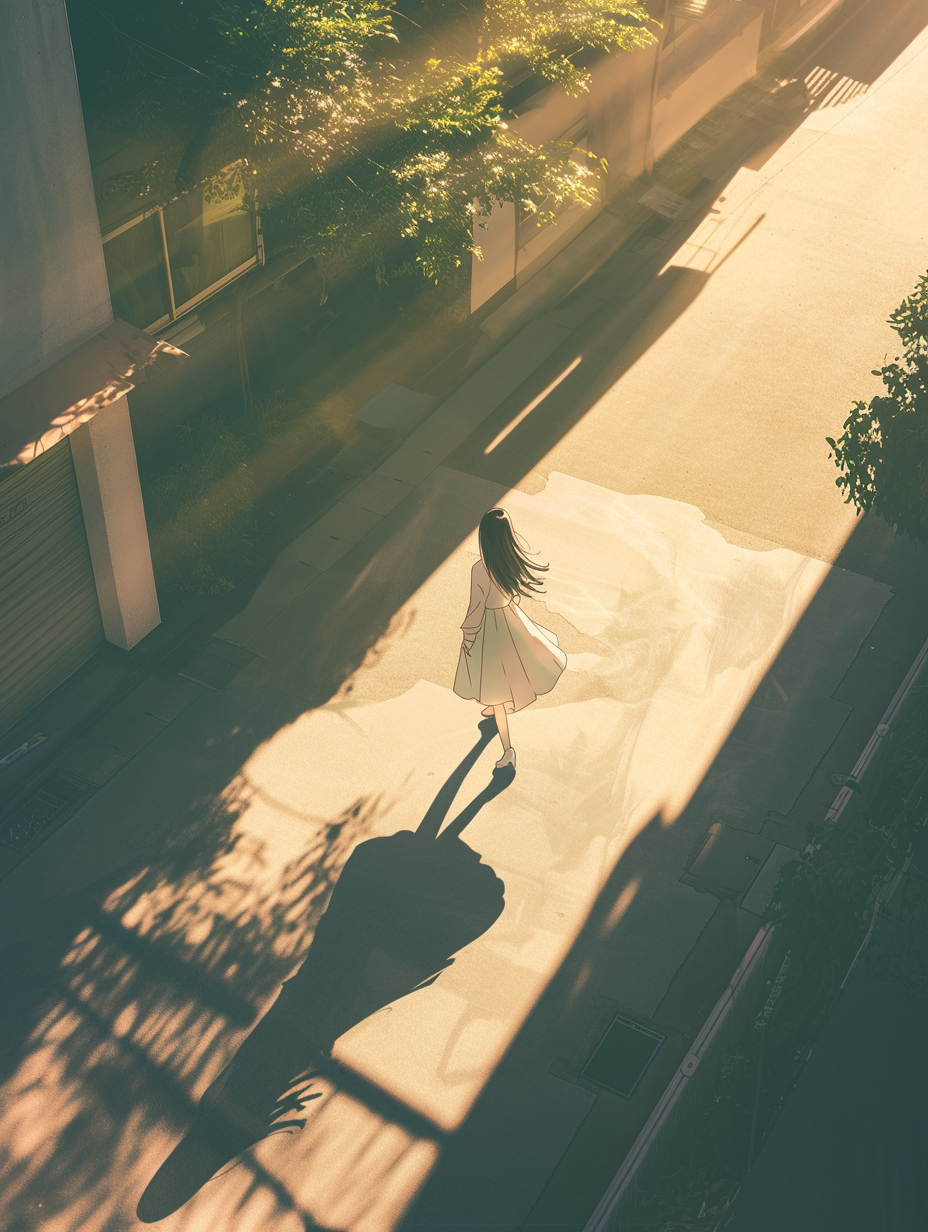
[
  {"x": 159, "y": 979},
  {"x": 402, "y": 906}
]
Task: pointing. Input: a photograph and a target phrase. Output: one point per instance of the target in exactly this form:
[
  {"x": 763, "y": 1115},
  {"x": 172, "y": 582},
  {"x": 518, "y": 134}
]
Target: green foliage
[
  {"x": 369, "y": 142},
  {"x": 883, "y": 452},
  {"x": 547, "y": 34}
]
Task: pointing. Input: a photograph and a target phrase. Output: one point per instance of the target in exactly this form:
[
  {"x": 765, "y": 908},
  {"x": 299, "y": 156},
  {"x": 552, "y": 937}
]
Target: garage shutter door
[{"x": 49, "y": 615}]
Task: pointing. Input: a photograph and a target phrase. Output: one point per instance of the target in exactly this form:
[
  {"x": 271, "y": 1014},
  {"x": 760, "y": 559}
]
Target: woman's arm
[{"x": 479, "y": 590}]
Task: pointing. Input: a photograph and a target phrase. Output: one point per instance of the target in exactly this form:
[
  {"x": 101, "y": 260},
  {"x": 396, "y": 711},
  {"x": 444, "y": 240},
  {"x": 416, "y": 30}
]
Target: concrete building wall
[
  {"x": 54, "y": 295},
  {"x": 53, "y": 288},
  {"x": 794, "y": 18},
  {"x": 611, "y": 120},
  {"x": 619, "y": 111},
  {"x": 495, "y": 236},
  {"x": 639, "y": 104},
  {"x": 691, "y": 95}
]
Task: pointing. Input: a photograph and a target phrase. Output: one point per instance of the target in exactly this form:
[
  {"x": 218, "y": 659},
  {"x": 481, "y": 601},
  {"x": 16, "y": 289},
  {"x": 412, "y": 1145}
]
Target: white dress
[{"x": 506, "y": 659}]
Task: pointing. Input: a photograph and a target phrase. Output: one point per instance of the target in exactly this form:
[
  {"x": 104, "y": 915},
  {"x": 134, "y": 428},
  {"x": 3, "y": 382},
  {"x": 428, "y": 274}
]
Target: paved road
[{"x": 677, "y": 480}]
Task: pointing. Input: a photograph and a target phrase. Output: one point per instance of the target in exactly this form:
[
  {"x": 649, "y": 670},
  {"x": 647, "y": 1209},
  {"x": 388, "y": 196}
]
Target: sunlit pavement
[{"x": 678, "y": 483}]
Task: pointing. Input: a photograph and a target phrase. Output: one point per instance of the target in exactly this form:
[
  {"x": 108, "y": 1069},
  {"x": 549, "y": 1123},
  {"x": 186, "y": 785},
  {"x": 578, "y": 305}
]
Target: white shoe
[{"x": 507, "y": 759}]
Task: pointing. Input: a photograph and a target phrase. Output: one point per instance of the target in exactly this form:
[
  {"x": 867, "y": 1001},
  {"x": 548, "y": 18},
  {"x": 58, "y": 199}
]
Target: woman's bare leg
[{"x": 502, "y": 725}]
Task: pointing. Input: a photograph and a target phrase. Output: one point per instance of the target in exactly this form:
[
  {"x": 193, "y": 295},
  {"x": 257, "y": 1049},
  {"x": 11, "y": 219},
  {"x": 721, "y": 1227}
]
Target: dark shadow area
[
  {"x": 107, "y": 676},
  {"x": 853, "y": 1135},
  {"x": 402, "y": 906},
  {"x": 872, "y": 40},
  {"x": 508, "y": 1131}
]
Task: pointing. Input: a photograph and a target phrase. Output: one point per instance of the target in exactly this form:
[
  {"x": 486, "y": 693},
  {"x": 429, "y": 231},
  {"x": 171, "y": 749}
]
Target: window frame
[{"x": 174, "y": 314}]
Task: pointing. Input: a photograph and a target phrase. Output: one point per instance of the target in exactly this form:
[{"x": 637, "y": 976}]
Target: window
[
  {"x": 136, "y": 273},
  {"x": 166, "y": 260}
]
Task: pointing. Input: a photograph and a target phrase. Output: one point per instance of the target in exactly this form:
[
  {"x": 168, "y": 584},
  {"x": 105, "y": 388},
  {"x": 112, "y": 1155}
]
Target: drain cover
[
  {"x": 622, "y": 1056},
  {"x": 728, "y": 860},
  {"x": 57, "y": 797},
  {"x": 217, "y": 663}
]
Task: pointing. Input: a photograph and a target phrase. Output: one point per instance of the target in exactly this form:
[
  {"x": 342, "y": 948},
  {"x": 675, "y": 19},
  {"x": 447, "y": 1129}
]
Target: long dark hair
[{"x": 504, "y": 554}]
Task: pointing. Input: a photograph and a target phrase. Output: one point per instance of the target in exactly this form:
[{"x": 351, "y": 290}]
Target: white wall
[
  {"x": 805, "y": 17},
  {"x": 53, "y": 288},
  {"x": 495, "y": 236},
  {"x": 619, "y": 110},
  {"x": 613, "y": 118},
  {"x": 695, "y": 94},
  {"x": 54, "y": 294}
]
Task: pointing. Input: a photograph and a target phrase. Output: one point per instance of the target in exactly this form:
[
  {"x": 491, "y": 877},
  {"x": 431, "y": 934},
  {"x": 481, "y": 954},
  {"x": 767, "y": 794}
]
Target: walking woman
[{"x": 506, "y": 661}]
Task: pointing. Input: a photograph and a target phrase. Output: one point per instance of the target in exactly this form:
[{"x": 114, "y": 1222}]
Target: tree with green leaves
[
  {"x": 883, "y": 452},
  {"x": 373, "y": 134}
]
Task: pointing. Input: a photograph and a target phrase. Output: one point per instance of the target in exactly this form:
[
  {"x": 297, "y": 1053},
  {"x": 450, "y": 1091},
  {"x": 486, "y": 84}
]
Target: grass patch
[{"x": 199, "y": 497}]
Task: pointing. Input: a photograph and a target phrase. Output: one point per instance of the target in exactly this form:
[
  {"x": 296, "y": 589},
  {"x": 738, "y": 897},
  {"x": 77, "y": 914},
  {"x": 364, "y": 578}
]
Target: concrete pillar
[{"x": 114, "y": 517}]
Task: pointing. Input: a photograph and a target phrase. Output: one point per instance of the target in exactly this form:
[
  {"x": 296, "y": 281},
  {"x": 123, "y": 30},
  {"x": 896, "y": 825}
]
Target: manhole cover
[
  {"x": 57, "y": 797},
  {"x": 622, "y": 1056}
]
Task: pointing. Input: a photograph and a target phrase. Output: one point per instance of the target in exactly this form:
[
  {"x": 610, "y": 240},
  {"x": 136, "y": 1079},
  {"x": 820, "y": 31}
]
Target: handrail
[{"x": 882, "y": 731}]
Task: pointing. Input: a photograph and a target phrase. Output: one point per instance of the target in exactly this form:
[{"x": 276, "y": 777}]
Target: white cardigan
[{"x": 484, "y": 593}]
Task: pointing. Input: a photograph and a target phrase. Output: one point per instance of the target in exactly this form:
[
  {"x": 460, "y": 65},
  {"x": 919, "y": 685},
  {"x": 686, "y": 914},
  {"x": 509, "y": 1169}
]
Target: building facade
[
  {"x": 639, "y": 105},
  {"x": 75, "y": 566}
]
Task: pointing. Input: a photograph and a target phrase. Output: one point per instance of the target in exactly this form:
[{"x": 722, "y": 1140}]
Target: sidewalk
[
  {"x": 234, "y": 790},
  {"x": 759, "y": 114},
  {"x": 321, "y": 715}
]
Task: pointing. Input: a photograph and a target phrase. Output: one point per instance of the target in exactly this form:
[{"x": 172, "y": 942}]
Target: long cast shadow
[{"x": 402, "y": 907}]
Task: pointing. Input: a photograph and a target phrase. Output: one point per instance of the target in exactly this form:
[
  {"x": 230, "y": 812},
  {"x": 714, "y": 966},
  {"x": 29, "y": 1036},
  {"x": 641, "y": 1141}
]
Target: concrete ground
[{"x": 732, "y": 637}]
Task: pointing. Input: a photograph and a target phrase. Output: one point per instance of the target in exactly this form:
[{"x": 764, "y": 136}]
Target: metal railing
[
  {"x": 623, "y": 1207},
  {"x": 680, "y": 1107}
]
